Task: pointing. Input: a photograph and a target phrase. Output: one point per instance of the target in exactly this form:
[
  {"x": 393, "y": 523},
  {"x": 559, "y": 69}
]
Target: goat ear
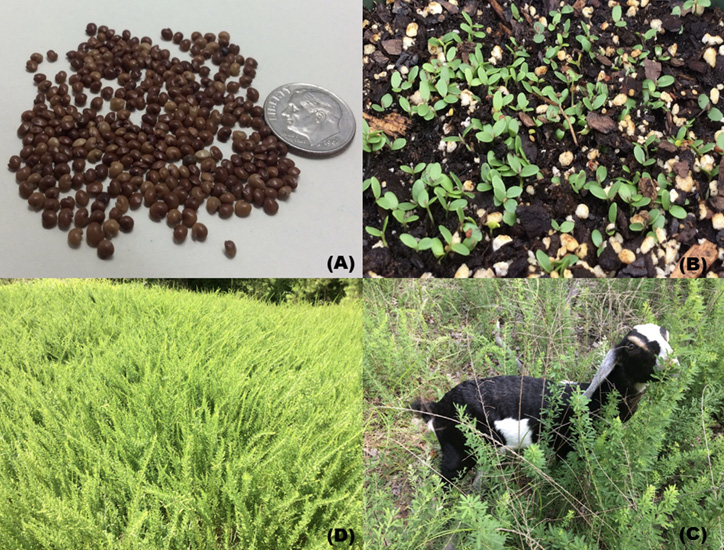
[{"x": 603, "y": 371}]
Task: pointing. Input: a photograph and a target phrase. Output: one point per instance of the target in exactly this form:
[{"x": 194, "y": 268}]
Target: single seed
[
  {"x": 158, "y": 211},
  {"x": 212, "y": 205},
  {"x": 91, "y": 29},
  {"x": 31, "y": 66},
  {"x": 189, "y": 217},
  {"x": 173, "y": 218},
  {"x": 117, "y": 104},
  {"x": 50, "y": 219},
  {"x": 94, "y": 234},
  {"x": 179, "y": 233},
  {"x": 105, "y": 249},
  {"x": 166, "y": 34},
  {"x": 111, "y": 228},
  {"x": 65, "y": 218},
  {"x": 52, "y": 56},
  {"x": 14, "y": 163},
  {"x": 75, "y": 237},
  {"x": 199, "y": 232},
  {"x": 37, "y": 57},
  {"x": 226, "y": 210},
  {"x": 126, "y": 223},
  {"x": 230, "y": 248},
  {"x": 271, "y": 206},
  {"x": 242, "y": 209}
]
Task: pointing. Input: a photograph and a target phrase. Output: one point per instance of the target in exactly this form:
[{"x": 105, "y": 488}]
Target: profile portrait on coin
[{"x": 313, "y": 115}]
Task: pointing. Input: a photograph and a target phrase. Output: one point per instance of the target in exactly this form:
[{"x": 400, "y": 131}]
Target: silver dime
[{"x": 309, "y": 119}]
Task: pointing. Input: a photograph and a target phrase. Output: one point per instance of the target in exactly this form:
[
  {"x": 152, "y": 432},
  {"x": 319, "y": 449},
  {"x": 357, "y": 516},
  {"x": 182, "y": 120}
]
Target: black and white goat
[{"x": 507, "y": 409}]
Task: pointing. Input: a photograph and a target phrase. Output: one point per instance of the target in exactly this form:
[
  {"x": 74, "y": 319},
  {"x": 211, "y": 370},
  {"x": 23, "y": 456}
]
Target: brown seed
[
  {"x": 94, "y": 234},
  {"x": 105, "y": 249},
  {"x": 37, "y": 57},
  {"x": 166, "y": 34},
  {"x": 199, "y": 232},
  {"x": 117, "y": 104},
  {"x": 179, "y": 233},
  {"x": 226, "y": 210},
  {"x": 75, "y": 237},
  {"x": 52, "y": 56},
  {"x": 173, "y": 218},
  {"x": 115, "y": 169},
  {"x": 212, "y": 205},
  {"x": 111, "y": 228},
  {"x": 50, "y": 219},
  {"x": 126, "y": 223},
  {"x": 65, "y": 218},
  {"x": 230, "y": 248},
  {"x": 36, "y": 200},
  {"x": 271, "y": 206},
  {"x": 60, "y": 77},
  {"x": 284, "y": 192},
  {"x": 158, "y": 211},
  {"x": 242, "y": 209},
  {"x": 14, "y": 163},
  {"x": 189, "y": 217},
  {"x": 31, "y": 66},
  {"x": 91, "y": 29}
]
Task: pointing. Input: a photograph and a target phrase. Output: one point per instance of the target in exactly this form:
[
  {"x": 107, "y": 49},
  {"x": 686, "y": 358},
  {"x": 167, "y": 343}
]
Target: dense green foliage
[
  {"x": 269, "y": 290},
  {"x": 626, "y": 486},
  {"x": 135, "y": 417}
]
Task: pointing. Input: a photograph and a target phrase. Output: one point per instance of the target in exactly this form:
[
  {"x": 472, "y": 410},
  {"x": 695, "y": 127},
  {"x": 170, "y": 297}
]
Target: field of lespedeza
[{"x": 135, "y": 417}]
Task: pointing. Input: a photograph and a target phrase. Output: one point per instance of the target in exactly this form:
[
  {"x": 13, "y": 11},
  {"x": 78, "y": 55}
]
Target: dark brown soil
[{"x": 384, "y": 29}]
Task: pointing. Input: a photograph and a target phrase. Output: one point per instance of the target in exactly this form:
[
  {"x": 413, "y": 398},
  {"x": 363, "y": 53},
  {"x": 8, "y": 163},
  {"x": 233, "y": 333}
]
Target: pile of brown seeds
[{"x": 86, "y": 172}]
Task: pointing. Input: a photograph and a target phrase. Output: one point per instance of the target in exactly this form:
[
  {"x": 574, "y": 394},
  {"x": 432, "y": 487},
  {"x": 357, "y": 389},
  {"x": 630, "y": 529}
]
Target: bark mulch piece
[{"x": 621, "y": 189}]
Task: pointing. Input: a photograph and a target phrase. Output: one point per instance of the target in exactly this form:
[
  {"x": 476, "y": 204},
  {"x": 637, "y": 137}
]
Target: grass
[
  {"x": 626, "y": 486},
  {"x": 135, "y": 417}
]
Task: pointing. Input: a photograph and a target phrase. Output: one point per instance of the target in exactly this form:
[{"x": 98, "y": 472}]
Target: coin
[{"x": 309, "y": 119}]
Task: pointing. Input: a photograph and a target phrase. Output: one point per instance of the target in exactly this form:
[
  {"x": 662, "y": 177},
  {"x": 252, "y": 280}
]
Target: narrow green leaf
[
  {"x": 677, "y": 211},
  {"x": 665, "y": 80},
  {"x": 409, "y": 240},
  {"x": 597, "y": 238},
  {"x": 437, "y": 248},
  {"x": 460, "y": 248},
  {"x": 543, "y": 260},
  {"x": 567, "y": 227},
  {"x": 612, "y": 212},
  {"x": 445, "y": 232}
]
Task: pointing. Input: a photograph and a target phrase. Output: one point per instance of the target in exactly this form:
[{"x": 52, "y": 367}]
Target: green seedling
[
  {"x": 501, "y": 196},
  {"x": 400, "y": 210},
  {"x": 379, "y": 232},
  {"x": 556, "y": 265},
  {"x": 713, "y": 113},
  {"x": 374, "y": 185},
  {"x": 375, "y": 140},
  {"x": 598, "y": 241},
  {"x": 372, "y": 140},
  {"x": 440, "y": 248},
  {"x": 691, "y": 5},
  {"x": 472, "y": 29},
  {"x": 419, "y": 167},
  {"x": 400, "y": 85},
  {"x": 565, "y": 227},
  {"x": 616, "y": 14},
  {"x": 385, "y": 102}
]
